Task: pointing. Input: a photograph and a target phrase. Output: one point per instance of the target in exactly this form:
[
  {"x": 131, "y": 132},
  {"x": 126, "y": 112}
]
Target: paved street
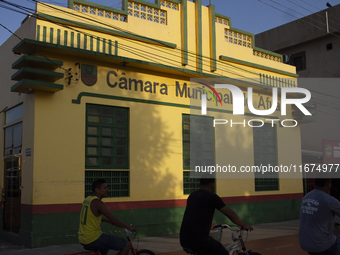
[{"x": 279, "y": 238}]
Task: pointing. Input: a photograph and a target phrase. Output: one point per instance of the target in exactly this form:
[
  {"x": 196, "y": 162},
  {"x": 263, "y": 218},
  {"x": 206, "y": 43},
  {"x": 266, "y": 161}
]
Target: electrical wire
[
  {"x": 123, "y": 48},
  {"x": 317, "y": 8},
  {"x": 310, "y": 5},
  {"x": 128, "y": 49},
  {"x": 32, "y": 47},
  {"x": 194, "y": 55},
  {"x": 334, "y": 34},
  {"x": 317, "y": 14},
  {"x": 324, "y": 93},
  {"x": 146, "y": 52},
  {"x": 135, "y": 51},
  {"x": 21, "y": 7},
  {"x": 11, "y": 9}
]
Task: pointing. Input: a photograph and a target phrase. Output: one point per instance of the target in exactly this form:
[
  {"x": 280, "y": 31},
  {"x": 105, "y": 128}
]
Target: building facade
[
  {"x": 312, "y": 45},
  {"x": 95, "y": 92}
]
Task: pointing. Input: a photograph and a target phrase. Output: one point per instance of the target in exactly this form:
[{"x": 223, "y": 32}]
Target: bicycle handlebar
[
  {"x": 223, "y": 226},
  {"x": 128, "y": 232}
]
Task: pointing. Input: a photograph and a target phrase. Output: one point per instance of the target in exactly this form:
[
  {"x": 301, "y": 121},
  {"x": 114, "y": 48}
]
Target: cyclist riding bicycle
[
  {"x": 197, "y": 220},
  {"x": 317, "y": 218},
  {"x": 92, "y": 211}
]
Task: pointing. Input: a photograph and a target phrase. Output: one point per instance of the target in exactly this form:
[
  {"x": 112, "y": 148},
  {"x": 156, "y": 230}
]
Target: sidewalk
[{"x": 279, "y": 238}]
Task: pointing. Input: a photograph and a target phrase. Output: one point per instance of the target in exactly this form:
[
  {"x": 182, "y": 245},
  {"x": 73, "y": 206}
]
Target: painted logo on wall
[{"x": 88, "y": 74}]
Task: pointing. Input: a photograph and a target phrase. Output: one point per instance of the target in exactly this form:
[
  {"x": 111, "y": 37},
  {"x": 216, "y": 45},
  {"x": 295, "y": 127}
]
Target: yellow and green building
[{"x": 91, "y": 91}]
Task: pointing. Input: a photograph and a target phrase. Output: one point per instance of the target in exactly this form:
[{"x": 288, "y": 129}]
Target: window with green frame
[
  {"x": 265, "y": 154},
  {"x": 198, "y": 147},
  {"x": 117, "y": 182},
  {"x": 107, "y": 137},
  {"x": 107, "y": 147}
]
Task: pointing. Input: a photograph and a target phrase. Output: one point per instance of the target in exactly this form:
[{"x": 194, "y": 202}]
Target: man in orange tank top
[{"x": 92, "y": 211}]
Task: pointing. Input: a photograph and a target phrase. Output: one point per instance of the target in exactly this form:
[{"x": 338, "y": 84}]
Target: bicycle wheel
[{"x": 145, "y": 252}]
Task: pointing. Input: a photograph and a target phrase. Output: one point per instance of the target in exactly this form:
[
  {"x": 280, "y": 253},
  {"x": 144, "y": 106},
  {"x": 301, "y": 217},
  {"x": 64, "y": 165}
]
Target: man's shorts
[{"x": 106, "y": 242}]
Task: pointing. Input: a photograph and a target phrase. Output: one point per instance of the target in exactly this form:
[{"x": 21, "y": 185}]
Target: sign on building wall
[{"x": 331, "y": 151}]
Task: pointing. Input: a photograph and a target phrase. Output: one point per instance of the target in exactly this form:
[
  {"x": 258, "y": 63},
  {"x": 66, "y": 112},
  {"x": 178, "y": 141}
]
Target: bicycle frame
[
  {"x": 237, "y": 246},
  {"x": 133, "y": 251}
]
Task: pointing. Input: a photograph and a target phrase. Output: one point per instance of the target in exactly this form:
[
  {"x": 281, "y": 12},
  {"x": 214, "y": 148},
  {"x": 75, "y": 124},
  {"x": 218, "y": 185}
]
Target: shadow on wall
[{"x": 152, "y": 184}]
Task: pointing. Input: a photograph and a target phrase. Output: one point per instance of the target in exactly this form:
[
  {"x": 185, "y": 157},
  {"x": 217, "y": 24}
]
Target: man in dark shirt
[{"x": 197, "y": 220}]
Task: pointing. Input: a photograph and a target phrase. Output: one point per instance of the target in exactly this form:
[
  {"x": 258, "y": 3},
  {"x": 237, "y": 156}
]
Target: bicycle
[
  {"x": 132, "y": 250},
  {"x": 237, "y": 247}
]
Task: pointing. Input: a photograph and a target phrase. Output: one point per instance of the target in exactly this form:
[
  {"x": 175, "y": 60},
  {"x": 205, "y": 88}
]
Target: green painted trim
[
  {"x": 273, "y": 81},
  {"x": 71, "y": 2},
  {"x": 184, "y": 32},
  {"x": 85, "y": 42},
  {"x": 116, "y": 48},
  {"x": 41, "y": 229},
  {"x": 304, "y": 119},
  {"x": 212, "y": 38},
  {"x": 144, "y": 101},
  {"x": 224, "y": 17},
  {"x": 78, "y": 40},
  {"x": 44, "y": 34},
  {"x": 51, "y": 34},
  {"x": 58, "y": 36},
  {"x": 72, "y": 39},
  {"x": 310, "y": 106},
  {"x": 98, "y": 44},
  {"x": 37, "y": 83},
  {"x": 38, "y": 33},
  {"x": 157, "y": 5},
  {"x": 253, "y": 40},
  {"x": 20, "y": 62},
  {"x": 65, "y": 38},
  {"x": 257, "y": 66},
  {"x": 137, "y": 100},
  {"x": 198, "y": 4},
  {"x": 187, "y": 72},
  {"x": 10, "y": 237},
  {"x": 242, "y": 31},
  {"x": 91, "y": 43},
  {"x": 36, "y": 71},
  {"x": 110, "y": 47},
  {"x": 104, "y": 45},
  {"x": 257, "y": 212},
  {"x": 298, "y": 112},
  {"x": 267, "y": 51},
  {"x": 106, "y": 30}
]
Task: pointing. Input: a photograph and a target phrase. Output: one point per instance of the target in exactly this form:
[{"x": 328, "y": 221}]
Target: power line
[
  {"x": 127, "y": 48},
  {"x": 135, "y": 51},
  {"x": 191, "y": 54},
  {"x": 295, "y": 16},
  {"x": 32, "y": 47},
  {"x": 311, "y": 5},
  {"x": 149, "y": 52},
  {"x": 143, "y": 37},
  {"x": 313, "y": 13},
  {"x": 324, "y": 94}
]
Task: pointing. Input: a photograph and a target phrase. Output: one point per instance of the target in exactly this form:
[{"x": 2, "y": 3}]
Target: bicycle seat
[{"x": 187, "y": 250}]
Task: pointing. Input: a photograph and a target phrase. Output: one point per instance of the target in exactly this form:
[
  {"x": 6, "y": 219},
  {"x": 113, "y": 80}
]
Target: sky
[{"x": 254, "y": 16}]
